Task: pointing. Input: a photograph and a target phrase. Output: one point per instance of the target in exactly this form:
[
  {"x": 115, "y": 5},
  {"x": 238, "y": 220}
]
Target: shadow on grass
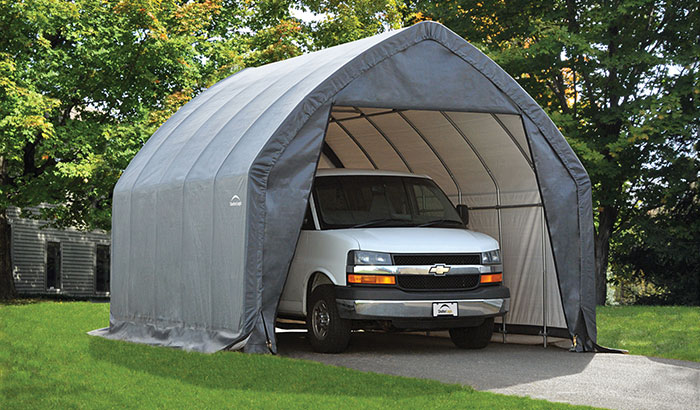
[
  {"x": 33, "y": 299},
  {"x": 677, "y": 362},
  {"x": 264, "y": 373}
]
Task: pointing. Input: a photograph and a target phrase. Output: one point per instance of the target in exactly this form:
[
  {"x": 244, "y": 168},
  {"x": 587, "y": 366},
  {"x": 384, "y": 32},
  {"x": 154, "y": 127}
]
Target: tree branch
[
  {"x": 556, "y": 85},
  {"x": 28, "y": 154}
]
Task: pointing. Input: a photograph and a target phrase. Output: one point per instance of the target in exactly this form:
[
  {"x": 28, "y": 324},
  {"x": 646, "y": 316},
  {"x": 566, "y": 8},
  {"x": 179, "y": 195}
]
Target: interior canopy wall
[{"x": 207, "y": 215}]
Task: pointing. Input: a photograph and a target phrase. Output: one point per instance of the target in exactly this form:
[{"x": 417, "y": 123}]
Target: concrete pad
[{"x": 605, "y": 380}]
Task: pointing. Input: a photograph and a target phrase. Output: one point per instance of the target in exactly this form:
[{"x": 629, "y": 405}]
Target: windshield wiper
[
  {"x": 442, "y": 221},
  {"x": 379, "y": 222}
]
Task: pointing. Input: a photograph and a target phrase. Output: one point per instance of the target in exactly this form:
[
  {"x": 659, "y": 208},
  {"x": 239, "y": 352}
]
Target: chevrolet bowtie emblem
[{"x": 439, "y": 269}]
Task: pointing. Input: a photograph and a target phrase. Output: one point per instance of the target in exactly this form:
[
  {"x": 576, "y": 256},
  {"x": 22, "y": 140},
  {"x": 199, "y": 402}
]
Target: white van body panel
[
  {"x": 326, "y": 252},
  {"x": 420, "y": 240},
  {"x": 317, "y": 252}
]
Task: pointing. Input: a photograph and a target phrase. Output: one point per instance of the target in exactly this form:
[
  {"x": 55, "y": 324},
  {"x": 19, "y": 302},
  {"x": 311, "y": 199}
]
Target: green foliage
[
  {"x": 661, "y": 250},
  {"x": 285, "y": 39},
  {"x": 670, "y": 332},
  {"x": 81, "y": 84},
  {"x": 349, "y": 20},
  {"x": 48, "y": 360}
]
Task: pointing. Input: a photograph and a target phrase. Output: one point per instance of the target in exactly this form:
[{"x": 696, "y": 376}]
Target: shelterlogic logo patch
[{"x": 235, "y": 201}]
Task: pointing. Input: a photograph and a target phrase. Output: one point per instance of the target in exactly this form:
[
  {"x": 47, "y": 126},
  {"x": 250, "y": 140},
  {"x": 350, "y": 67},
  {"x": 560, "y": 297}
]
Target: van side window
[{"x": 308, "y": 224}]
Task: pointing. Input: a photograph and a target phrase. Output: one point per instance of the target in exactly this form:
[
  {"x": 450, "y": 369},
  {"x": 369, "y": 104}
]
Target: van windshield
[{"x": 356, "y": 201}]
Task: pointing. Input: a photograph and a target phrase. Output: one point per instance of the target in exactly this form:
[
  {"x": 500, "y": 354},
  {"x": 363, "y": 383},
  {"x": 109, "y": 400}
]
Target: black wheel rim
[{"x": 320, "y": 319}]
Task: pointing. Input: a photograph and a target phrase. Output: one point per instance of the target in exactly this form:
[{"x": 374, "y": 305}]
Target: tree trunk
[
  {"x": 606, "y": 221},
  {"x": 7, "y": 283}
]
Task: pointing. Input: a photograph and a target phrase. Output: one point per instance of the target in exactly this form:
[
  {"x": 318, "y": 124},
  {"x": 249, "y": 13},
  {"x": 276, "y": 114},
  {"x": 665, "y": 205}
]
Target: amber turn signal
[
  {"x": 494, "y": 278},
  {"x": 372, "y": 279}
]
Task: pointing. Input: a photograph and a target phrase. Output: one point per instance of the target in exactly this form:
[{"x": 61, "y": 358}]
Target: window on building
[
  {"x": 102, "y": 269},
  {"x": 53, "y": 265}
]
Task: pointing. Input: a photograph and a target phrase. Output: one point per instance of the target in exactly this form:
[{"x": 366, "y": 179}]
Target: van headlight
[
  {"x": 371, "y": 258},
  {"x": 491, "y": 257}
]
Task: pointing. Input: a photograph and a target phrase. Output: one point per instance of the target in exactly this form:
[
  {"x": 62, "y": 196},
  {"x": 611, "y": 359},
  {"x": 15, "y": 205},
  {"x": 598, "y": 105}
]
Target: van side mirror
[{"x": 463, "y": 212}]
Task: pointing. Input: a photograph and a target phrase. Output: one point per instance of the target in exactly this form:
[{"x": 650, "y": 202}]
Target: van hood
[{"x": 420, "y": 240}]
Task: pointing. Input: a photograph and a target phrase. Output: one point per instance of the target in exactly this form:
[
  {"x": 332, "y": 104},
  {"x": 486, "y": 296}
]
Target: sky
[{"x": 306, "y": 15}]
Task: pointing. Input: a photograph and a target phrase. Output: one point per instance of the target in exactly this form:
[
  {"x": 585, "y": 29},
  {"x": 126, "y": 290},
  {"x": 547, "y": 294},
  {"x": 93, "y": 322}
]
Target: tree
[
  {"x": 21, "y": 113},
  {"x": 82, "y": 86},
  {"x": 620, "y": 79}
]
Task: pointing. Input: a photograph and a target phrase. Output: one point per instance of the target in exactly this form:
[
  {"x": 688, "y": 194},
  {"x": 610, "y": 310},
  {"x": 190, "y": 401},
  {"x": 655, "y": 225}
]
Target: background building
[{"x": 53, "y": 261}]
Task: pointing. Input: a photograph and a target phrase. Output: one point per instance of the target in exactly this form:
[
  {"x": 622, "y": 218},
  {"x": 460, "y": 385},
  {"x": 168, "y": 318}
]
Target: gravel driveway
[{"x": 605, "y": 380}]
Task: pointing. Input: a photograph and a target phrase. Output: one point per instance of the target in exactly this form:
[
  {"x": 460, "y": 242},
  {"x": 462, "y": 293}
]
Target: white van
[{"x": 388, "y": 250}]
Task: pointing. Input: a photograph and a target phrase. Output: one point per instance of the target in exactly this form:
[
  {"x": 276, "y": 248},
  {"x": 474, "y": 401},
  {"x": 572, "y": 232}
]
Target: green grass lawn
[
  {"x": 671, "y": 332},
  {"x": 47, "y": 360}
]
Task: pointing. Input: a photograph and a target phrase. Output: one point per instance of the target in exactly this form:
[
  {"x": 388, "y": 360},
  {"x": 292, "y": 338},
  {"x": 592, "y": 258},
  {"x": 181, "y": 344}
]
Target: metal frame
[
  {"x": 331, "y": 155},
  {"x": 352, "y": 137},
  {"x": 444, "y": 165},
  {"x": 544, "y": 283},
  {"x": 482, "y": 208},
  {"x": 483, "y": 164},
  {"x": 362, "y": 114},
  {"x": 515, "y": 141},
  {"x": 386, "y": 138}
]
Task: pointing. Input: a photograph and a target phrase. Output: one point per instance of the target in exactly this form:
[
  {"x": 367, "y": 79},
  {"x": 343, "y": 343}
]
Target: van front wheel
[
  {"x": 327, "y": 332},
  {"x": 476, "y": 337}
]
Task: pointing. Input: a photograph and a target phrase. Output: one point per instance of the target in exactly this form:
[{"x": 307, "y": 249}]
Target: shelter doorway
[{"x": 482, "y": 160}]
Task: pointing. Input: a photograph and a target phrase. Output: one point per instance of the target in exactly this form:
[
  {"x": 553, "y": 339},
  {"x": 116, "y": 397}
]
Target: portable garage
[{"x": 207, "y": 215}]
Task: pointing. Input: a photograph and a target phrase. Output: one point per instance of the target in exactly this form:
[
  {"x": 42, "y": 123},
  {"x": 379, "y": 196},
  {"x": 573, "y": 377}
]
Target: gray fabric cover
[{"x": 207, "y": 215}]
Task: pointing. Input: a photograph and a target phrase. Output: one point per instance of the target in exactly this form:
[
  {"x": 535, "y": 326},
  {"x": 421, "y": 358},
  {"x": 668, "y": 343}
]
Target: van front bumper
[{"x": 375, "y": 303}]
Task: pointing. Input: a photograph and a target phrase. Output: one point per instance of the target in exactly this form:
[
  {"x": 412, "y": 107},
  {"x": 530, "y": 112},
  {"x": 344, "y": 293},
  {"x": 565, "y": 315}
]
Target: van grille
[
  {"x": 432, "y": 259},
  {"x": 429, "y": 282}
]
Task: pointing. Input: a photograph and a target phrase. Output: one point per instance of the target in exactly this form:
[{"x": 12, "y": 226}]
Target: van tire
[
  {"x": 327, "y": 331},
  {"x": 477, "y": 337}
]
